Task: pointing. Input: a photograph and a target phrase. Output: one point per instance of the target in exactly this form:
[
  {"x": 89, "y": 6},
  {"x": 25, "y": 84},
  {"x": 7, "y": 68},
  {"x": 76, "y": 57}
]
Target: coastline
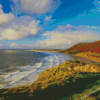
[
  {"x": 73, "y": 55},
  {"x": 39, "y": 85},
  {"x": 56, "y": 51}
]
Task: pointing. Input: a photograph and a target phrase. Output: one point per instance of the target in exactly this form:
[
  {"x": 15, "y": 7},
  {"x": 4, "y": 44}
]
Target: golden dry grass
[
  {"x": 57, "y": 76},
  {"x": 91, "y": 56}
]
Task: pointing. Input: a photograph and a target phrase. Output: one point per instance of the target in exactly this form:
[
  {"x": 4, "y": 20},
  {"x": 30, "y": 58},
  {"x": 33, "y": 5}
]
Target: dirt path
[{"x": 81, "y": 58}]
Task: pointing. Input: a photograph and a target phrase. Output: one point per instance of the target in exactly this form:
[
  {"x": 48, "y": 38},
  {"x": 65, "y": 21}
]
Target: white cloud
[
  {"x": 1, "y": 11},
  {"x": 35, "y": 6},
  {"x": 28, "y": 45},
  {"x": 10, "y": 34},
  {"x": 5, "y": 18},
  {"x": 13, "y": 45},
  {"x": 15, "y": 1},
  {"x": 47, "y": 19},
  {"x": 95, "y": 28},
  {"x": 66, "y": 37},
  {"x": 20, "y": 28},
  {"x": 14, "y": 28},
  {"x": 65, "y": 28}
]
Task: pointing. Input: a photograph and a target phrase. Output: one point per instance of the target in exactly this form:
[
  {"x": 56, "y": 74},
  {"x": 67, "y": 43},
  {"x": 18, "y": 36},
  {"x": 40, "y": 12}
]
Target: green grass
[
  {"x": 73, "y": 51},
  {"x": 93, "y": 85}
]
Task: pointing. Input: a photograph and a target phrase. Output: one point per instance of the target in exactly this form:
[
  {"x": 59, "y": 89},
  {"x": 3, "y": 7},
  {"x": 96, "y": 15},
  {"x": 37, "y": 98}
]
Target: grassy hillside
[
  {"x": 85, "y": 47},
  {"x": 89, "y": 51},
  {"x": 71, "y": 80}
]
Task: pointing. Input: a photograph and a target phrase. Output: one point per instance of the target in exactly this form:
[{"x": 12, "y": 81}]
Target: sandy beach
[{"x": 81, "y": 59}]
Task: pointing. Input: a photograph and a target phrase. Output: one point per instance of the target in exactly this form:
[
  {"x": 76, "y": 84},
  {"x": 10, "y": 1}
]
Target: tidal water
[{"x": 23, "y": 67}]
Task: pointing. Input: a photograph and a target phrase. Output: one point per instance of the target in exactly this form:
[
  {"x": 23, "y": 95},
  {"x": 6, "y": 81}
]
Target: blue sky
[{"x": 48, "y": 24}]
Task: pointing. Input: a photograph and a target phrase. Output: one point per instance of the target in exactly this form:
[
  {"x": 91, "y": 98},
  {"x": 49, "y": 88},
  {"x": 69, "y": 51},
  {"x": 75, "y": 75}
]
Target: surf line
[{"x": 90, "y": 93}]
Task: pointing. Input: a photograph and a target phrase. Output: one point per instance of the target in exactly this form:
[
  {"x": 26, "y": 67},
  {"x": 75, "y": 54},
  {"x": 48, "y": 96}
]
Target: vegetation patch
[
  {"x": 90, "y": 56},
  {"x": 71, "y": 80}
]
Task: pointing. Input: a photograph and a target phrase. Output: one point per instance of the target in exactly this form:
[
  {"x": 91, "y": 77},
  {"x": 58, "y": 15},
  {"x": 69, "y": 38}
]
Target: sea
[{"x": 22, "y": 67}]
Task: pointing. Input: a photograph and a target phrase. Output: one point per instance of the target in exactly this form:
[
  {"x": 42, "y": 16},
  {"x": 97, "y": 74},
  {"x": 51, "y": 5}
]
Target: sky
[{"x": 48, "y": 24}]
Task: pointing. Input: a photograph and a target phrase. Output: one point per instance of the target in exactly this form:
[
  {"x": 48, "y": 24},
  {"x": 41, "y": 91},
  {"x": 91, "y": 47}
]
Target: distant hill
[{"x": 84, "y": 47}]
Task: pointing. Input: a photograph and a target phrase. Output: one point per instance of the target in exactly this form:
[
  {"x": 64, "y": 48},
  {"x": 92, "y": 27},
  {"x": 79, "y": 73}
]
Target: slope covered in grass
[
  {"x": 68, "y": 81},
  {"x": 84, "y": 47}
]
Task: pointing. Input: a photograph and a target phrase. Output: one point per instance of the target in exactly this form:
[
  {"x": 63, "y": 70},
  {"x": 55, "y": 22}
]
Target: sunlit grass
[
  {"x": 66, "y": 76},
  {"x": 90, "y": 56}
]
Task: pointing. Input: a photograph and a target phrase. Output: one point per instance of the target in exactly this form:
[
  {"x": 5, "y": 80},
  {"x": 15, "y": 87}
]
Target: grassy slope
[
  {"x": 69, "y": 81},
  {"x": 85, "y": 47},
  {"x": 90, "y": 51}
]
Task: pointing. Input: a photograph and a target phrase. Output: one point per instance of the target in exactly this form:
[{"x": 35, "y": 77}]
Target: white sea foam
[
  {"x": 28, "y": 74},
  {"x": 61, "y": 60},
  {"x": 32, "y": 76},
  {"x": 7, "y": 74},
  {"x": 15, "y": 79},
  {"x": 50, "y": 61},
  {"x": 55, "y": 61}
]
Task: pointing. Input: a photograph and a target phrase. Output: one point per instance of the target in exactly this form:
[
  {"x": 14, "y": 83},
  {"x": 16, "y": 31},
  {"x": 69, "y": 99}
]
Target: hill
[
  {"x": 89, "y": 51},
  {"x": 84, "y": 47}
]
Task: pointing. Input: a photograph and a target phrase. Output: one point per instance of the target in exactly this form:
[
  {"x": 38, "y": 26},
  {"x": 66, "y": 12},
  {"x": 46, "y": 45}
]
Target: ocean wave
[{"x": 28, "y": 74}]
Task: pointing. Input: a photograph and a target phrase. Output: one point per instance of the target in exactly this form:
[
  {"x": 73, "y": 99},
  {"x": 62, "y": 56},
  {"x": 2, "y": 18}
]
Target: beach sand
[{"x": 81, "y": 58}]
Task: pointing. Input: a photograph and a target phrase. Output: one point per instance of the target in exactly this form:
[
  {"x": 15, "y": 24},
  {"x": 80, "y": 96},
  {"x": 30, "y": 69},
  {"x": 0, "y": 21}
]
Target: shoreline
[
  {"x": 75, "y": 57},
  {"x": 79, "y": 58},
  {"x": 55, "y": 80},
  {"x": 39, "y": 85},
  {"x": 40, "y": 60}
]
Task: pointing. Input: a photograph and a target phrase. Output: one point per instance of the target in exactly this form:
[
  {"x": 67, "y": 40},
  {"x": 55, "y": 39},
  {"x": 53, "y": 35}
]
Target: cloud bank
[
  {"x": 62, "y": 37},
  {"x": 15, "y": 28},
  {"x": 66, "y": 36},
  {"x": 35, "y": 6},
  {"x": 19, "y": 29}
]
